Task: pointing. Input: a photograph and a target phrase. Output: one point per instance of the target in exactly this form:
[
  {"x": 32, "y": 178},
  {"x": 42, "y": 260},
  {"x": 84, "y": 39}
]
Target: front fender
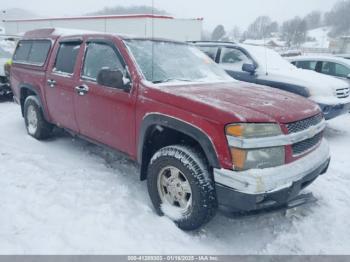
[{"x": 176, "y": 124}]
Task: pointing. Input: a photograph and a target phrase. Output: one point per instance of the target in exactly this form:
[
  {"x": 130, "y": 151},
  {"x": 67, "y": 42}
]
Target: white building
[{"x": 137, "y": 25}]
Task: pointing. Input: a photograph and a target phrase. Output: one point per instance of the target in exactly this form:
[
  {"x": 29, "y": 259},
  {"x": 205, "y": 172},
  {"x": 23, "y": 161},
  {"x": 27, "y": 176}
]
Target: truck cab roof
[{"x": 55, "y": 33}]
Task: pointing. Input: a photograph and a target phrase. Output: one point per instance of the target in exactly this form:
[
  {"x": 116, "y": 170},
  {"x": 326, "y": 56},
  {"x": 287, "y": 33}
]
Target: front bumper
[
  {"x": 333, "y": 111},
  {"x": 259, "y": 189}
]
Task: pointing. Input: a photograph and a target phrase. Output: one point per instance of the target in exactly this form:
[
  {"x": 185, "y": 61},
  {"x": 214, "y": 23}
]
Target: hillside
[{"x": 320, "y": 38}]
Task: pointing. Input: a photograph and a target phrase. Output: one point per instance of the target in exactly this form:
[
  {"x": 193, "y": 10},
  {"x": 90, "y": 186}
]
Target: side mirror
[
  {"x": 250, "y": 68},
  {"x": 113, "y": 78}
]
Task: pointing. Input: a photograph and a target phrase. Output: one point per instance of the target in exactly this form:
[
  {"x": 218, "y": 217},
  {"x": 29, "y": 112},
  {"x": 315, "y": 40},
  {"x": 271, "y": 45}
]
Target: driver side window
[
  {"x": 234, "y": 57},
  {"x": 100, "y": 56}
]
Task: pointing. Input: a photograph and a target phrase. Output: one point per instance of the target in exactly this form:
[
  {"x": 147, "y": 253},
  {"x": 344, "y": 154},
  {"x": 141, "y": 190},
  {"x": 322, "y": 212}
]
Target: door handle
[
  {"x": 51, "y": 83},
  {"x": 82, "y": 90}
]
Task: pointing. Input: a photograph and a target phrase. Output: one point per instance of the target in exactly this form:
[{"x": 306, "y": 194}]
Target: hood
[
  {"x": 317, "y": 84},
  {"x": 236, "y": 102}
]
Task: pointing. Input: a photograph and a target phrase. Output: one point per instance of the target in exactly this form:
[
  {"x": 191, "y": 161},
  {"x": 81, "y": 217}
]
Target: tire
[
  {"x": 188, "y": 166},
  {"x": 36, "y": 124}
]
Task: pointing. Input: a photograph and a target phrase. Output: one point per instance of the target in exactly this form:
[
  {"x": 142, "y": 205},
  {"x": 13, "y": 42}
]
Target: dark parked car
[
  {"x": 264, "y": 66},
  {"x": 201, "y": 138}
]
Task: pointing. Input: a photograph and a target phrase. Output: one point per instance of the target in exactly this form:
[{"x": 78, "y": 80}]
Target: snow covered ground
[{"x": 66, "y": 196}]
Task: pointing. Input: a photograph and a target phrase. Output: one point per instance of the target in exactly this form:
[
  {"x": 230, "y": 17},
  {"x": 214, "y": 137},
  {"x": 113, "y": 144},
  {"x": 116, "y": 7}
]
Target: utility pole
[
  {"x": 3, "y": 14},
  {"x": 2, "y": 22}
]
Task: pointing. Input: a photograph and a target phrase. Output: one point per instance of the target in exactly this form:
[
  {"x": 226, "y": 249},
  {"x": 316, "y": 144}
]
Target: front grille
[
  {"x": 304, "y": 124},
  {"x": 343, "y": 92},
  {"x": 306, "y": 145}
]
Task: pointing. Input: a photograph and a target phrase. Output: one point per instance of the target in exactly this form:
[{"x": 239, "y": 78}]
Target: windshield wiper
[{"x": 171, "y": 80}]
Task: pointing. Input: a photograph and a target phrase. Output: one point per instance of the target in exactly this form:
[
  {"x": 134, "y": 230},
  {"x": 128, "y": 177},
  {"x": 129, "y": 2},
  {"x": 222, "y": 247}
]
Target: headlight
[
  {"x": 255, "y": 158},
  {"x": 244, "y": 159},
  {"x": 253, "y": 130}
]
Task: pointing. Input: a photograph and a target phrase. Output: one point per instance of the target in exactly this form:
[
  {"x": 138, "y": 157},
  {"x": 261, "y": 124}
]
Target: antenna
[{"x": 265, "y": 54}]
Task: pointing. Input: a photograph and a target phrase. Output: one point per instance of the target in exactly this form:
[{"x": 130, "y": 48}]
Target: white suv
[{"x": 264, "y": 66}]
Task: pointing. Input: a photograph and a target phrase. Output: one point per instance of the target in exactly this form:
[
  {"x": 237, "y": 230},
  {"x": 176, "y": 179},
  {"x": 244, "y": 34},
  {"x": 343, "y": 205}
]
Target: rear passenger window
[
  {"x": 328, "y": 68},
  {"x": 209, "y": 51},
  {"x": 67, "y": 57},
  {"x": 308, "y": 65},
  {"x": 32, "y": 52},
  {"x": 22, "y": 51},
  {"x": 39, "y": 52},
  {"x": 100, "y": 56}
]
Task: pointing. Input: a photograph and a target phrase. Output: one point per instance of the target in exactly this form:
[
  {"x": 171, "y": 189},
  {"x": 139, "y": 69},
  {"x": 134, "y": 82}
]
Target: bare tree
[
  {"x": 294, "y": 31},
  {"x": 339, "y": 18},
  {"x": 313, "y": 20},
  {"x": 235, "y": 33},
  {"x": 219, "y": 33},
  {"x": 262, "y": 27}
]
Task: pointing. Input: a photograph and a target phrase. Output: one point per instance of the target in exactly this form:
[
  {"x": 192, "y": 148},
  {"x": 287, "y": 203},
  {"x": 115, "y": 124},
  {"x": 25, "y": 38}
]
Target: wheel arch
[
  {"x": 29, "y": 90},
  {"x": 155, "y": 123}
]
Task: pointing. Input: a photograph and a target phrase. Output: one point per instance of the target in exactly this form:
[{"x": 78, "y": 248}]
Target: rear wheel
[
  {"x": 180, "y": 187},
  {"x": 34, "y": 119}
]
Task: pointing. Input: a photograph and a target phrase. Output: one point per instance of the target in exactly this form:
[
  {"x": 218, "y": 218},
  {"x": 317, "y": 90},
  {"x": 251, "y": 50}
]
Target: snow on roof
[
  {"x": 92, "y": 17},
  {"x": 58, "y": 31},
  {"x": 267, "y": 58},
  {"x": 129, "y": 16},
  {"x": 68, "y": 32},
  {"x": 330, "y": 58},
  {"x": 71, "y": 31}
]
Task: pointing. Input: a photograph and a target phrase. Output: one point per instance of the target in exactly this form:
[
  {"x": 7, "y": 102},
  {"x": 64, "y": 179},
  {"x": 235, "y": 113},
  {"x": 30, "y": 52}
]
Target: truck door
[
  {"x": 104, "y": 114},
  {"x": 61, "y": 81}
]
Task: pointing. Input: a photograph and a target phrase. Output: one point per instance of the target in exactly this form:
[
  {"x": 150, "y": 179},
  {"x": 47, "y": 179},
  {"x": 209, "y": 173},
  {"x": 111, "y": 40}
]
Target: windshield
[
  {"x": 170, "y": 62},
  {"x": 268, "y": 59}
]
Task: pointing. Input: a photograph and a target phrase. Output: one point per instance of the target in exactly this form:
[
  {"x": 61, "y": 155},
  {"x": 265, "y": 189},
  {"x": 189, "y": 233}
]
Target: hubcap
[
  {"x": 32, "y": 120},
  {"x": 174, "y": 188}
]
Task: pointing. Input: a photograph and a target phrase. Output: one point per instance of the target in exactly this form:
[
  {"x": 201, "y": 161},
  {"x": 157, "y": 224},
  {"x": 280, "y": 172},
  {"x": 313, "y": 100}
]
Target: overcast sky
[{"x": 226, "y": 12}]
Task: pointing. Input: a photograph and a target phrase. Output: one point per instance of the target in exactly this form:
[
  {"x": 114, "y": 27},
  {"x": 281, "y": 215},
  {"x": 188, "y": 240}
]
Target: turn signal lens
[
  {"x": 254, "y": 158},
  {"x": 235, "y": 130},
  {"x": 253, "y": 130},
  {"x": 257, "y": 158},
  {"x": 239, "y": 158}
]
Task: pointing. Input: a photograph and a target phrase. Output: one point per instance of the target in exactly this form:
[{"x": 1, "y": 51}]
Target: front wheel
[{"x": 180, "y": 187}]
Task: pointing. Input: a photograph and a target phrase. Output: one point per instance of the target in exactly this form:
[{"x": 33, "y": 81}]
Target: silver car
[{"x": 330, "y": 65}]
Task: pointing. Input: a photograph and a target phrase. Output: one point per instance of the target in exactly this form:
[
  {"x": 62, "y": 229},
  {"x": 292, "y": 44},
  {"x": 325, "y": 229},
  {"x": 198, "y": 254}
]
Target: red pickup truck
[{"x": 202, "y": 139}]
